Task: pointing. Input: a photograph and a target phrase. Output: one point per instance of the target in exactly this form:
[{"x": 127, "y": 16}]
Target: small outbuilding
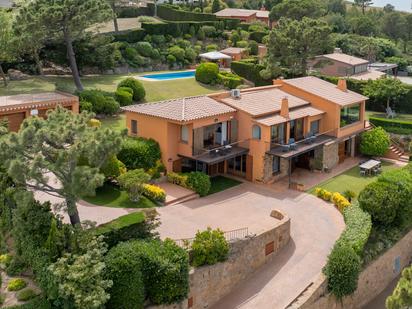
[
  {"x": 16, "y": 108},
  {"x": 218, "y": 57}
]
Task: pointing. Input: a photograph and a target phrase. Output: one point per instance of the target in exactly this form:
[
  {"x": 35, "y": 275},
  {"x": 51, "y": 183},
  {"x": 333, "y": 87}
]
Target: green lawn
[
  {"x": 123, "y": 221},
  {"x": 350, "y": 180},
  {"x": 155, "y": 90},
  {"x": 117, "y": 123},
  {"x": 111, "y": 196},
  {"x": 220, "y": 183},
  {"x": 404, "y": 117}
]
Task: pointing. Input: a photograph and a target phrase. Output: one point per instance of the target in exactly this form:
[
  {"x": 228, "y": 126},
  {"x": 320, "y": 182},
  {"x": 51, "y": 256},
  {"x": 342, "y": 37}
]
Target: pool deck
[{"x": 149, "y": 79}]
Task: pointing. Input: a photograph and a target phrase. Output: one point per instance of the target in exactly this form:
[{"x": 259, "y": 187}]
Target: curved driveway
[{"x": 315, "y": 225}]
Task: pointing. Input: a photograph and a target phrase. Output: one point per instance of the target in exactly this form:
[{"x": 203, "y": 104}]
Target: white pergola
[{"x": 214, "y": 56}]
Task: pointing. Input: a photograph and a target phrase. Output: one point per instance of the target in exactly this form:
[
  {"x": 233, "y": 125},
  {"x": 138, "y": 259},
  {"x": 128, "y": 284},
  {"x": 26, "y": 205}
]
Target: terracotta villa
[{"x": 261, "y": 134}]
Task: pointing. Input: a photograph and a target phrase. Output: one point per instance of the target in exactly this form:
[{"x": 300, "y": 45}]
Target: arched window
[{"x": 256, "y": 132}]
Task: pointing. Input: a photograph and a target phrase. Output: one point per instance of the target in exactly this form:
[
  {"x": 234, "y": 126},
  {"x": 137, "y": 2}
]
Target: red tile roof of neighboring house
[
  {"x": 293, "y": 114},
  {"x": 326, "y": 90},
  {"x": 263, "y": 101},
  {"x": 183, "y": 109},
  {"x": 232, "y": 50},
  {"x": 22, "y": 101},
  {"x": 229, "y": 12},
  {"x": 344, "y": 58}
]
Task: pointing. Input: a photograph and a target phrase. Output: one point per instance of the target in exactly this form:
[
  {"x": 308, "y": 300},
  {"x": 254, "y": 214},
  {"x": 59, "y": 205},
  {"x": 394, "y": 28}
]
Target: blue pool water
[{"x": 173, "y": 75}]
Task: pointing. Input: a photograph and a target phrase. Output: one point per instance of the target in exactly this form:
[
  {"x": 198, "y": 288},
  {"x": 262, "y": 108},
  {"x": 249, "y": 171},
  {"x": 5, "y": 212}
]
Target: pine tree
[
  {"x": 55, "y": 147},
  {"x": 215, "y": 6},
  {"x": 402, "y": 295}
]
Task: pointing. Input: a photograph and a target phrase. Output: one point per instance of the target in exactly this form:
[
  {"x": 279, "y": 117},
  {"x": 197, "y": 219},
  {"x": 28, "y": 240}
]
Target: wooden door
[
  {"x": 15, "y": 120},
  {"x": 341, "y": 152},
  {"x": 177, "y": 166}
]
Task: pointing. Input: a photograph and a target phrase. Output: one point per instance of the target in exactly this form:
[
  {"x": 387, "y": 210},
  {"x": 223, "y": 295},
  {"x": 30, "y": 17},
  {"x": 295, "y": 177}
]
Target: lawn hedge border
[
  {"x": 167, "y": 12},
  {"x": 250, "y": 71},
  {"x": 392, "y": 125}
]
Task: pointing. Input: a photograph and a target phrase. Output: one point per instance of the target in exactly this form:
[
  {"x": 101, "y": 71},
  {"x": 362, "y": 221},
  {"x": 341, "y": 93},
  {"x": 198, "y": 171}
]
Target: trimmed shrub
[
  {"x": 382, "y": 201},
  {"x": 242, "y": 44},
  {"x": 138, "y": 90},
  {"x": 155, "y": 171},
  {"x": 139, "y": 153},
  {"x": 101, "y": 102},
  {"x": 155, "y": 193},
  {"x": 16, "y": 284},
  {"x": 209, "y": 247},
  {"x": 132, "y": 226},
  {"x": 5, "y": 260},
  {"x": 199, "y": 182},
  {"x": 342, "y": 270},
  {"x": 207, "y": 73},
  {"x": 340, "y": 201},
  {"x": 130, "y": 36},
  {"x": 86, "y": 106},
  {"x": 177, "y": 179},
  {"x": 123, "y": 268},
  {"x": 375, "y": 142},
  {"x": 257, "y": 36},
  {"x": 144, "y": 48},
  {"x": 229, "y": 80},
  {"x": 358, "y": 228},
  {"x": 164, "y": 266},
  {"x": 209, "y": 31},
  {"x": 123, "y": 97},
  {"x": 113, "y": 168},
  {"x": 167, "y": 12},
  {"x": 26, "y": 294},
  {"x": 253, "y": 47},
  {"x": 349, "y": 195},
  {"x": 392, "y": 125},
  {"x": 249, "y": 70}
]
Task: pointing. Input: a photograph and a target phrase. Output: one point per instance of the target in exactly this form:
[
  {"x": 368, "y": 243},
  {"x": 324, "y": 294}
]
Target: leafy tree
[
  {"x": 215, "y": 6},
  {"x": 54, "y": 147},
  {"x": 4, "y": 126},
  {"x": 269, "y": 4},
  {"x": 393, "y": 25},
  {"x": 337, "y": 7},
  {"x": 133, "y": 182},
  {"x": 363, "y": 4},
  {"x": 363, "y": 25},
  {"x": 113, "y": 5},
  {"x": 68, "y": 20},
  {"x": 209, "y": 247},
  {"x": 375, "y": 142},
  {"x": 297, "y": 9},
  {"x": 292, "y": 43},
  {"x": 407, "y": 34},
  {"x": 385, "y": 89},
  {"x": 388, "y": 8},
  {"x": 31, "y": 34},
  {"x": 6, "y": 39},
  {"x": 402, "y": 294},
  {"x": 80, "y": 277}
]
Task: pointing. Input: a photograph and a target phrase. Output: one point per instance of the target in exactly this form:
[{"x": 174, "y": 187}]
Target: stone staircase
[{"x": 396, "y": 153}]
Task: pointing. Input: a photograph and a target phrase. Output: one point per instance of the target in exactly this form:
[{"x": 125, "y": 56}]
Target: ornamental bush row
[
  {"x": 157, "y": 269},
  {"x": 196, "y": 181},
  {"x": 392, "y": 126},
  {"x": 155, "y": 193},
  {"x": 229, "y": 80},
  {"x": 250, "y": 71},
  {"x": 336, "y": 198}
]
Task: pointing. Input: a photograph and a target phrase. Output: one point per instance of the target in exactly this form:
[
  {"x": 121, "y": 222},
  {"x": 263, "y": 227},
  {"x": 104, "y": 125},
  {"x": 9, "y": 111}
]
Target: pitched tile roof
[
  {"x": 326, "y": 90},
  {"x": 293, "y": 114},
  {"x": 232, "y": 50},
  {"x": 183, "y": 109},
  {"x": 344, "y": 58},
  {"x": 260, "y": 102},
  {"x": 21, "y": 101}
]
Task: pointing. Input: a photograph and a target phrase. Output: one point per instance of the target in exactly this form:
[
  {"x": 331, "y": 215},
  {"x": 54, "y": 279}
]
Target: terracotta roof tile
[
  {"x": 326, "y": 90},
  {"x": 260, "y": 102},
  {"x": 36, "y": 100},
  {"x": 344, "y": 58},
  {"x": 183, "y": 109},
  {"x": 294, "y": 114}
]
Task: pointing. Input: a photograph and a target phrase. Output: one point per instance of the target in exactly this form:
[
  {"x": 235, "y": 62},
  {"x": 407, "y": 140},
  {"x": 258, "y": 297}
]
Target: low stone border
[{"x": 208, "y": 284}]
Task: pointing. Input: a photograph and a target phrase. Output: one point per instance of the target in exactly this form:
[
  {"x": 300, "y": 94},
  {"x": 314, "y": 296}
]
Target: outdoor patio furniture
[
  {"x": 285, "y": 148},
  {"x": 362, "y": 173},
  {"x": 390, "y": 113},
  {"x": 369, "y": 166}
]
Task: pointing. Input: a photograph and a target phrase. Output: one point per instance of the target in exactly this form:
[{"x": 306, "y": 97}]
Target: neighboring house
[
  {"x": 6, "y": 3},
  {"x": 343, "y": 65},
  {"x": 16, "y": 108},
  {"x": 236, "y": 53},
  {"x": 248, "y": 133},
  {"x": 247, "y": 16}
]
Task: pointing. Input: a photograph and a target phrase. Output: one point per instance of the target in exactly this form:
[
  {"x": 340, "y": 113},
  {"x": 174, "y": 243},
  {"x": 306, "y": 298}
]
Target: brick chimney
[
  {"x": 342, "y": 85},
  {"x": 284, "y": 109}
]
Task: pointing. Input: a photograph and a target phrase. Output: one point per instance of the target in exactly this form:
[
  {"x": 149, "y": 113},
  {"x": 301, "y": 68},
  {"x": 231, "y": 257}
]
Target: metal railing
[{"x": 230, "y": 236}]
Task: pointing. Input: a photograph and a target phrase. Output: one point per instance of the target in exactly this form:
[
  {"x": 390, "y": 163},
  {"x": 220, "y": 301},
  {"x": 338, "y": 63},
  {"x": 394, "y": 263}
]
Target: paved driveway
[{"x": 315, "y": 225}]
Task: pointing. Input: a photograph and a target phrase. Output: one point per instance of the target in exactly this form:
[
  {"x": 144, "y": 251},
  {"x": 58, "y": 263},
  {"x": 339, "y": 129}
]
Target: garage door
[{"x": 14, "y": 120}]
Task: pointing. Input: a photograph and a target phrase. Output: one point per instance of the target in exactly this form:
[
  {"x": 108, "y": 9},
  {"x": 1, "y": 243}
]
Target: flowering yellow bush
[
  {"x": 336, "y": 198},
  {"x": 154, "y": 193},
  {"x": 95, "y": 123}
]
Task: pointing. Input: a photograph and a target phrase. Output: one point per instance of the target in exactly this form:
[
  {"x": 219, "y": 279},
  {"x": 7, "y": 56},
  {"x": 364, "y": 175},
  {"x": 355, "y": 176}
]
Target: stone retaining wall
[
  {"x": 372, "y": 281},
  {"x": 208, "y": 284}
]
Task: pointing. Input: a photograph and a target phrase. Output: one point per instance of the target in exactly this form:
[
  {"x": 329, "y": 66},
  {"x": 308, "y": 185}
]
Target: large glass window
[
  {"x": 296, "y": 129},
  {"x": 349, "y": 115},
  {"x": 277, "y": 134},
  {"x": 256, "y": 132},
  {"x": 314, "y": 127},
  {"x": 184, "y": 134}
]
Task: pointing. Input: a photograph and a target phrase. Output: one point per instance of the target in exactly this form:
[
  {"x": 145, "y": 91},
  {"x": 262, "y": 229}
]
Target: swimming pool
[{"x": 168, "y": 76}]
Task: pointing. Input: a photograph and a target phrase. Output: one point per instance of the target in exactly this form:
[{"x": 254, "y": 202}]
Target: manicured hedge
[
  {"x": 169, "y": 13},
  {"x": 98, "y": 101},
  {"x": 130, "y": 36},
  {"x": 139, "y": 153},
  {"x": 344, "y": 263},
  {"x": 209, "y": 247},
  {"x": 138, "y": 89},
  {"x": 128, "y": 12},
  {"x": 257, "y": 36},
  {"x": 229, "y": 80},
  {"x": 176, "y": 28},
  {"x": 164, "y": 266},
  {"x": 196, "y": 181},
  {"x": 207, "y": 73},
  {"x": 127, "y": 227},
  {"x": 391, "y": 125},
  {"x": 250, "y": 71}
]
